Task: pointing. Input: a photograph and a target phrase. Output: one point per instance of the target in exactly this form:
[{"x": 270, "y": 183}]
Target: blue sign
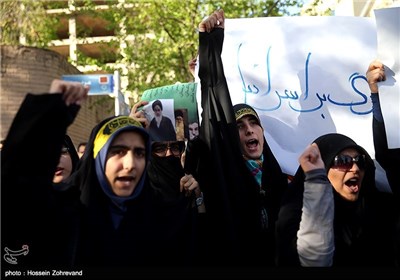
[{"x": 99, "y": 83}]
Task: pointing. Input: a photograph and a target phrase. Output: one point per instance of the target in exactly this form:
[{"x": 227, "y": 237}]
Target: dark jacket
[{"x": 389, "y": 159}]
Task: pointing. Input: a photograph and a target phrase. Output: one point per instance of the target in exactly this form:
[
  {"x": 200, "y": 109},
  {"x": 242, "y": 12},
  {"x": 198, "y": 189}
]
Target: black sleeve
[
  {"x": 389, "y": 159},
  {"x": 231, "y": 196},
  {"x": 288, "y": 225},
  {"x": 29, "y": 158}
]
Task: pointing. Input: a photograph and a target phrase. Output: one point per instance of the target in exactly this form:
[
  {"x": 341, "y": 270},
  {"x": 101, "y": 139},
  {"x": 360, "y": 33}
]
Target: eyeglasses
[
  {"x": 345, "y": 162},
  {"x": 160, "y": 148}
]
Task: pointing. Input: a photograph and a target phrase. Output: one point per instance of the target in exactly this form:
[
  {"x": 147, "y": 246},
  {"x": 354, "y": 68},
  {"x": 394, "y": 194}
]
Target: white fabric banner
[
  {"x": 305, "y": 76},
  {"x": 388, "y": 33}
]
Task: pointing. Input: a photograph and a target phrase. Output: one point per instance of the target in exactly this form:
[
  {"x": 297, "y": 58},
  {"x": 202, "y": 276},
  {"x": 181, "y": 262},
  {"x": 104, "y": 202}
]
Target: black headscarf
[
  {"x": 359, "y": 226},
  {"x": 330, "y": 145},
  {"x": 114, "y": 231},
  {"x": 62, "y": 186},
  {"x": 87, "y": 174},
  {"x": 231, "y": 193}
]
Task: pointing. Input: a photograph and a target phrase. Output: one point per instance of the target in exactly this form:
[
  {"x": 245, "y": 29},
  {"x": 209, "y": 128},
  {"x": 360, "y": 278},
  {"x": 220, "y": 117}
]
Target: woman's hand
[
  {"x": 139, "y": 115},
  {"x": 72, "y": 92},
  {"x": 311, "y": 159},
  {"x": 188, "y": 184},
  {"x": 215, "y": 20},
  {"x": 375, "y": 74}
]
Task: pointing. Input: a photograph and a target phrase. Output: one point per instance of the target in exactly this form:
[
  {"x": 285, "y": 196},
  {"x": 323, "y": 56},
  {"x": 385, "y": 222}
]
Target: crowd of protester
[{"x": 132, "y": 199}]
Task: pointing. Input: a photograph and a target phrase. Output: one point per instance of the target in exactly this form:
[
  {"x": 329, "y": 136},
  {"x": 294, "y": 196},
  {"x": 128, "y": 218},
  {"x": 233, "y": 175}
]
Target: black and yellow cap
[{"x": 242, "y": 110}]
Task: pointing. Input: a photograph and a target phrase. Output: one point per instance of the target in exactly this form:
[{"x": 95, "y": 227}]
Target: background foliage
[{"x": 164, "y": 32}]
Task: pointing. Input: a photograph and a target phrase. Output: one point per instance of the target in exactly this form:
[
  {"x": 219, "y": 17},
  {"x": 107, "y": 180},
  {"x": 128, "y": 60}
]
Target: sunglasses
[
  {"x": 345, "y": 162},
  {"x": 160, "y": 148}
]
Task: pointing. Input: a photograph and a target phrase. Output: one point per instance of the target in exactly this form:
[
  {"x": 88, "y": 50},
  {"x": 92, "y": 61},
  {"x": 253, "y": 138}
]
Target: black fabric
[
  {"x": 231, "y": 194},
  {"x": 71, "y": 229},
  {"x": 62, "y": 186},
  {"x": 177, "y": 211},
  {"x": 164, "y": 176},
  {"x": 72, "y": 151},
  {"x": 134, "y": 243},
  {"x": 28, "y": 161},
  {"x": 389, "y": 159},
  {"x": 363, "y": 229}
]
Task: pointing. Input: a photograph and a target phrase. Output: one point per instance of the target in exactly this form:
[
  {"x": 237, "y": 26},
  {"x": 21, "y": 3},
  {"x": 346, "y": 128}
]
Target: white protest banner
[
  {"x": 305, "y": 76},
  {"x": 388, "y": 33}
]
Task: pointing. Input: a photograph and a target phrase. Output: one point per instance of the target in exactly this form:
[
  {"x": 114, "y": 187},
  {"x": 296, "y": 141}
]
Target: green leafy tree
[
  {"x": 154, "y": 40},
  {"x": 25, "y": 22},
  {"x": 166, "y": 38}
]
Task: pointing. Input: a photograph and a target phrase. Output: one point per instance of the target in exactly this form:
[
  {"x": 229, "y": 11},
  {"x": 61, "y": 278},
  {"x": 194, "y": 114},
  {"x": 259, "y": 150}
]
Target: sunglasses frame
[
  {"x": 345, "y": 162},
  {"x": 167, "y": 146}
]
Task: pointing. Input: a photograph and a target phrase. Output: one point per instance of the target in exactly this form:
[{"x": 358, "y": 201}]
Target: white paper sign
[
  {"x": 305, "y": 76},
  {"x": 388, "y": 33}
]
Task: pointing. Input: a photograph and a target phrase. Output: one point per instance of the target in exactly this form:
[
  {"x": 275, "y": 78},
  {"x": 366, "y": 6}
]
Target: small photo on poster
[{"x": 176, "y": 104}]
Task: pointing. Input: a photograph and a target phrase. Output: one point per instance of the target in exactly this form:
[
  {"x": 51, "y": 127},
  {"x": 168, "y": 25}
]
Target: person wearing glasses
[
  {"x": 166, "y": 172},
  {"x": 165, "y": 156},
  {"x": 177, "y": 193},
  {"x": 332, "y": 213}
]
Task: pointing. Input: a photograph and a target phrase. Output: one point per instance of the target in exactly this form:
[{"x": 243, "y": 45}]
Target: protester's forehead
[
  {"x": 127, "y": 133},
  {"x": 167, "y": 142},
  {"x": 247, "y": 117}
]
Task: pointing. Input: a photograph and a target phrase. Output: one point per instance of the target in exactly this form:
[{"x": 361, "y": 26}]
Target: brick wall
[{"x": 27, "y": 69}]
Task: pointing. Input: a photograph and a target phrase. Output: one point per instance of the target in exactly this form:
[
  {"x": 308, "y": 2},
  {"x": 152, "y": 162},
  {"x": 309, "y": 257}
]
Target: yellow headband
[
  {"x": 244, "y": 112},
  {"x": 109, "y": 128}
]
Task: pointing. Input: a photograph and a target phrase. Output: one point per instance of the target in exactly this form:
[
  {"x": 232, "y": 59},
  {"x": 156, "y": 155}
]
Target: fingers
[
  {"x": 192, "y": 65},
  {"x": 72, "y": 92},
  {"x": 311, "y": 158},
  {"x": 375, "y": 65},
  {"x": 215, "y": 20},
  {"x": 188, "y": 184},
  {"x": 192, "y": 62},
  {"x": 375, "y": 74},
  {"x": 137, "y": 105},
  {"x": 139, "y": 115}
]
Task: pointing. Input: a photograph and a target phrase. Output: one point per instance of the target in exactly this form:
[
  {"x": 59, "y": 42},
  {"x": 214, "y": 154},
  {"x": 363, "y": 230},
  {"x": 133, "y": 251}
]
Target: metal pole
[{"x": 117, "y": 90}]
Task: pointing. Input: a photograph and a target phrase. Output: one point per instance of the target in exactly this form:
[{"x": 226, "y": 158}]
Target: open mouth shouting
[
  {"x": 252, "y": 145},
  {"x": 353, "y": 184}
]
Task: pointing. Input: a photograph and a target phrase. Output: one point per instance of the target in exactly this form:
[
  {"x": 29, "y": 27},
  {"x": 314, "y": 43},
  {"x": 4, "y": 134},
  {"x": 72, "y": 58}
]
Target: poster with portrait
[{"x": 172, "y": 112}]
